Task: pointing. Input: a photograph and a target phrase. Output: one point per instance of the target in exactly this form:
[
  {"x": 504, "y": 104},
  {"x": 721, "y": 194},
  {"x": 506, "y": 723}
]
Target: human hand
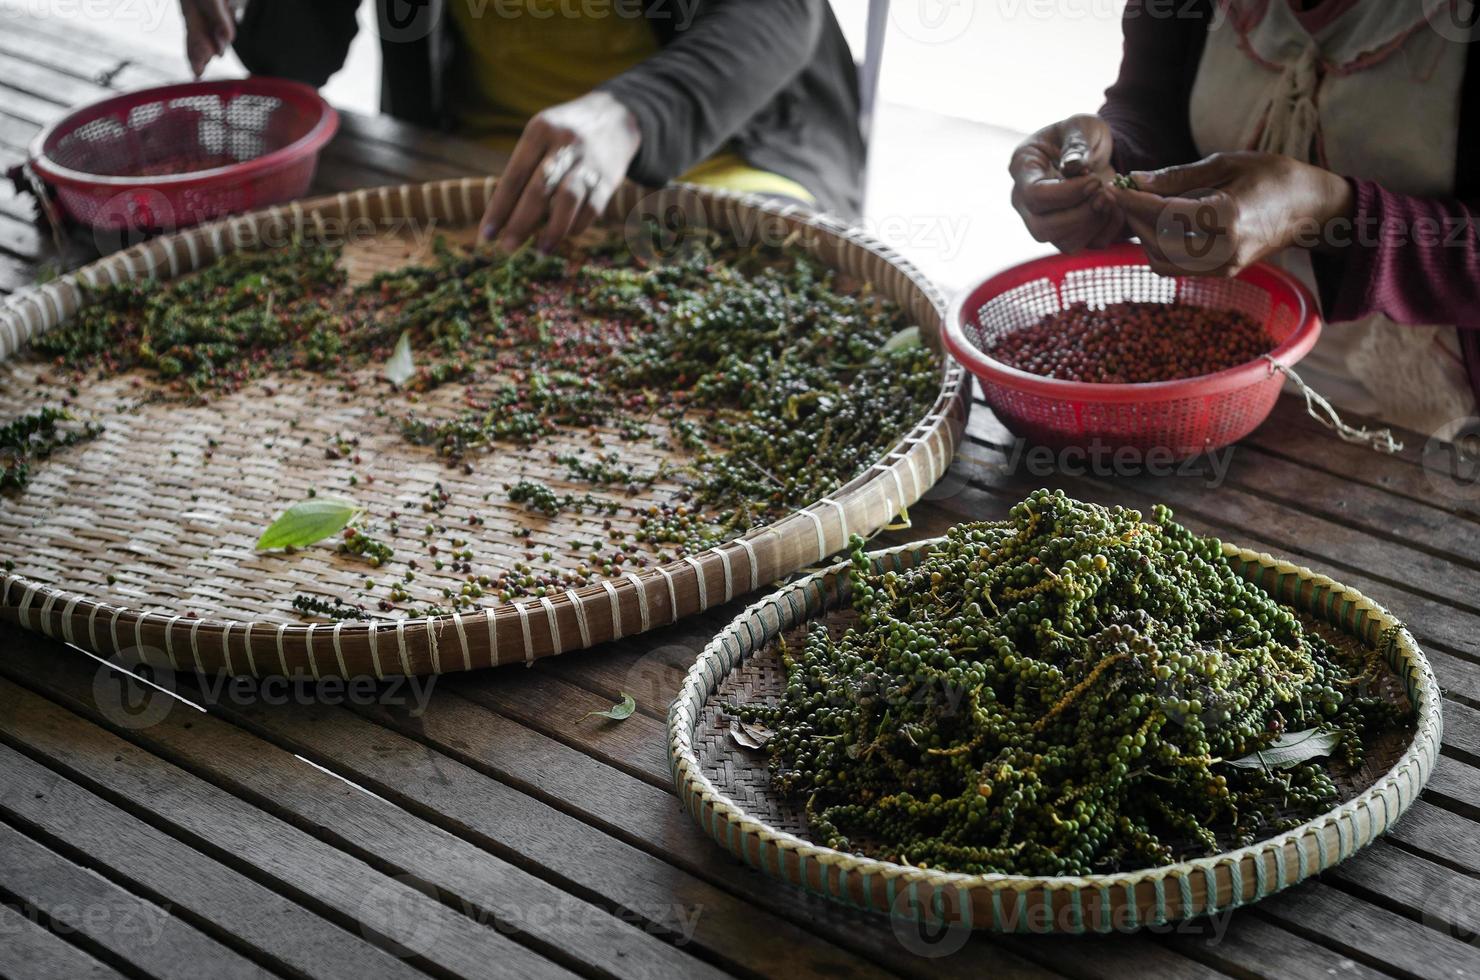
[
  {"x": 1222, "y": 214},
  {"x": 210, "y": 27},
  {"x": 1059, "y": 184},
  {"x": 568, "y": 162}
]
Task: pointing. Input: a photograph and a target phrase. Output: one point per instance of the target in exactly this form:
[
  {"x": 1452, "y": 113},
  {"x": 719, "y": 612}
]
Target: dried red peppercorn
[{"x": 1133, "y": 343}]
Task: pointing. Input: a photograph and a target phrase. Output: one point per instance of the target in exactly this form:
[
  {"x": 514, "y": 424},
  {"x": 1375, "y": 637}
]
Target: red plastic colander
[
  {"x": 176, "y": 155},
  {"x": 1187, "y": 416}
]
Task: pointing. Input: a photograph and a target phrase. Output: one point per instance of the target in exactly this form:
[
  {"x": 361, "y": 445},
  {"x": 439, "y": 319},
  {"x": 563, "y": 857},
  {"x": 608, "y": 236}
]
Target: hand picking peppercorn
[
  {"x": 1061, "y": 693},
  {"x": 1133, "y": 343}
]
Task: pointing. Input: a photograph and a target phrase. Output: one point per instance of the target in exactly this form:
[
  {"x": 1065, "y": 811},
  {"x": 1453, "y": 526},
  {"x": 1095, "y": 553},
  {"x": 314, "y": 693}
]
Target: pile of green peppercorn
[{"x": 1063, "y": 693}]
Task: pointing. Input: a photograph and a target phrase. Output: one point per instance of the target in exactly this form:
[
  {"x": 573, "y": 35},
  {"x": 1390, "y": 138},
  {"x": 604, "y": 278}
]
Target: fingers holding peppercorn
[
  {"x": 1222, "y": 214},
  {"x": 1059, "y": 175}
]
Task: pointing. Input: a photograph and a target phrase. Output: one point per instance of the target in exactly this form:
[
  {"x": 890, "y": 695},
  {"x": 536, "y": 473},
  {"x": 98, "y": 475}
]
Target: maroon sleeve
[
  {"x": 1414, "y": 259},
  {"x": 1147, "y": 107}
]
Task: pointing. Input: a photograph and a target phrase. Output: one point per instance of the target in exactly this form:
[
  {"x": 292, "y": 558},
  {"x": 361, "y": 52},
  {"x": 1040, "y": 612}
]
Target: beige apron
[{"x": 1367, "y": 89}]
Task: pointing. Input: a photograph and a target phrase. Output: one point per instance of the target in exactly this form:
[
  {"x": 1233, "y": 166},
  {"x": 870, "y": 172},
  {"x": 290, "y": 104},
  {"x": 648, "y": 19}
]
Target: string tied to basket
[{"x": 1316, "y": 405}]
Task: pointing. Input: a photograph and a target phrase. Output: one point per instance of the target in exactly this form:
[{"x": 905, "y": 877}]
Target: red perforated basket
[
  {"x": 176, "y": 155},
  {"x": 1186, "y": 416}
]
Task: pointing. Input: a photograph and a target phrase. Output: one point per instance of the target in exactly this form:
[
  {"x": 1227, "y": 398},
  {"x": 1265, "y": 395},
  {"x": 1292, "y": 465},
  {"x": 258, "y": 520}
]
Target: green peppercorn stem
[{"x": 1060, "y": 693}]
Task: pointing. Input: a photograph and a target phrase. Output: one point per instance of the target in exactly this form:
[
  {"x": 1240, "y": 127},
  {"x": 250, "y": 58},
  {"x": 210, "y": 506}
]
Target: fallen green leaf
[
  {"x": 1290, "y": 749},
  {"x": 617, "y": 712},
  {"x": 399, "y": 369},
  {"x": 306, "y": 522},
  {"x": 908, "y": 337}
]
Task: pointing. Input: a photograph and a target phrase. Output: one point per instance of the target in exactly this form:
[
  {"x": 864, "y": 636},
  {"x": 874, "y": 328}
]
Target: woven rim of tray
[
  {"x": 1074, "y": 904},
  {"x": 527, "y": 629}
]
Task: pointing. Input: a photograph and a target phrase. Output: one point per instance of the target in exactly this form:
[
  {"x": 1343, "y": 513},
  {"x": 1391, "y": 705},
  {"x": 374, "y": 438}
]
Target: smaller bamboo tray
[{"x": 728, "y": 793}]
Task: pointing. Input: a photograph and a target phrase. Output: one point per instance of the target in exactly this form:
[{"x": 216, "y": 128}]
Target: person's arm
[
  {"x": 653, "y": 122},
  {"x": 1147, "y": 107},
  {"x": 1061, "y": 173},
  {"x": 699, "y": 90},
  {"x": 1413, "y": 259}
]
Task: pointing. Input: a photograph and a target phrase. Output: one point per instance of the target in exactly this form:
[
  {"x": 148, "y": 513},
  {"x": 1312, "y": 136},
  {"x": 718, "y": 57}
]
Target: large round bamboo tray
[
  {"x": 726, "y": 788},
  {"x": 189, "y": 593}
]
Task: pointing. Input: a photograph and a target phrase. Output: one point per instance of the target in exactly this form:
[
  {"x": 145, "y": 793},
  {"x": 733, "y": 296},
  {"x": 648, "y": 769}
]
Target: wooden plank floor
[{"x": 483, "y": 827}]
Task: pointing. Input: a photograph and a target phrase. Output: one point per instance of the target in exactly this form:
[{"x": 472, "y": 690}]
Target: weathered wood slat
[
  {"x": 21, "y": 42},
  {"x": 496, "y": 818},
  {"x": 47, "y": 83},
  {"x": 1415, "y": 887},
  {"x": 1424, "y": 525},
  {"x": 1335, "y": 541},
  {"x": 1255, "y": 947},
  {"x": 97, "y": 43},
  {"x": 552, "y": 705},
  {"x": 110, "y": 918},
  {"x": 27, "y": 108},
  {"x": 516, "y": 753},
  {"x": 15, "y": 138},
  {"x": 172, "y": 874},
  {"x": 15, "y": 274},
  {"x": 1293, "y": 435},
  {"x": 461, "y": 872},
  {"x": 32, "y": 952},
  {"x": 633, "y": 809},
  {"x": 416, "y": 144},
  {"x": 1372, "y": 935},
  {"x": 1345, "y": 553},
  {"x": 1378, "y": 512},
  {"x": 21, "y": 240},
  {"x": 393, "y": 912}
]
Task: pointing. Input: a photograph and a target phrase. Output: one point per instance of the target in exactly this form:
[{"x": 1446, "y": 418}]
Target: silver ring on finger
[{"x": 557, "y": 165}]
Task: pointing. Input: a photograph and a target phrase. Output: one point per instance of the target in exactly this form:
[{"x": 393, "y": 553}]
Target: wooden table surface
[{"x": 484, "y": 828}]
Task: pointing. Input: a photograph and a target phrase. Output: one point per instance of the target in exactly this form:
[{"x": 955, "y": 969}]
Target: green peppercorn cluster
[
  {"x": 212, "y": 331},
  {"x": 362, "y": 545},
  {"x": 1062, "y": 693},
  {"x": 36, "y": 436}
]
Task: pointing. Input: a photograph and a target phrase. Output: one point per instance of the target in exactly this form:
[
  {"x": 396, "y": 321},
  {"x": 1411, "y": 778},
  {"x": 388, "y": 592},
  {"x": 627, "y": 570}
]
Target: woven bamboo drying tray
[
  {"x": 727, "y": 789},
  {"x": 141, "y": 540}
]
